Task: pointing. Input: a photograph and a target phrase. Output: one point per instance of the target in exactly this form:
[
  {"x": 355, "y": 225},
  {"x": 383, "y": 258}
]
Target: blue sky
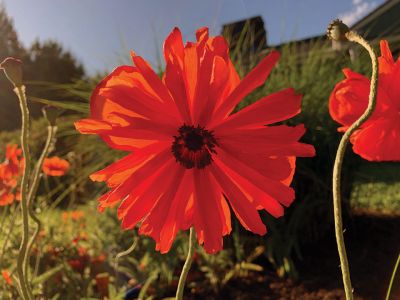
[{"x": 99, "y": 32}]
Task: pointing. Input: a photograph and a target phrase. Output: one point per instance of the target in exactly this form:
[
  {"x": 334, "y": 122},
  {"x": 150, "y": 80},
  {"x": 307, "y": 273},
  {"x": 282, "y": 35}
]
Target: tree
[
  {"x": 49, "y": 63},
  {"x": 44, "y": 61},
  {"x": 9, "y": 46}
]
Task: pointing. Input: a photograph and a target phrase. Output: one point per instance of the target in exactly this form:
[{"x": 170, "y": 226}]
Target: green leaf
[
  {"x": 47, "y": 275},
  {"x": 75, "y": 106},
  {"x": 251, "y": 267}
]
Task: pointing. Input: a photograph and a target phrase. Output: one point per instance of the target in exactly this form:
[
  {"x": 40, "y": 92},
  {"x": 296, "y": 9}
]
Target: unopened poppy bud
[
  {"x": 13, "y": 69},
  {"x": 51, "y": 113},
  {"x": 337, "y": 30}
]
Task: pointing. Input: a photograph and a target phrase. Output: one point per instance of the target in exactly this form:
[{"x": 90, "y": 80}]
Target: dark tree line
[{"x": 45, "y": 62}]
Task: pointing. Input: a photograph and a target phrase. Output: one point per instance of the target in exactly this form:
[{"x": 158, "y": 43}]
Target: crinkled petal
[
  {"x": 379, "y": 141},
  {"x": 349, "y": 100},
  {"x": 389, "y": 74}
]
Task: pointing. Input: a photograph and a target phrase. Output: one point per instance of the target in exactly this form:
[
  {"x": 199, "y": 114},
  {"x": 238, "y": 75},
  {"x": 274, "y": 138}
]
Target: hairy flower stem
[
  {"x": 22, "y": 280},
  {"x": 187, "y": 265},
  {"x": 51, "y": 131},
  {"x": 337, "y": 169}
]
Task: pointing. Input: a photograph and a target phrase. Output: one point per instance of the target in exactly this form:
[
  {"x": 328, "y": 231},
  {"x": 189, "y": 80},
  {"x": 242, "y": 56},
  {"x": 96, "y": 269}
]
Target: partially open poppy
[
  {"x": 55, "y": 166},
  {"x": 190, "y": 156},
  {"x": 378, "y": 139}
]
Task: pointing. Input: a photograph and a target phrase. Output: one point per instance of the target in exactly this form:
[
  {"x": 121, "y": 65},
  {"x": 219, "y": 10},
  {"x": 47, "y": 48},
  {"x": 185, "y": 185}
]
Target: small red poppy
[
  {"x": 77, "y": 264},
  {"x": 55, "y": 166},
  {"x": 190, "y": 156},
  {"x": 102, "y": 282},
  {"x": 7, "y": 277},
  {"x": 378, "y": 139},
  {"x": 10, "y": 173}
]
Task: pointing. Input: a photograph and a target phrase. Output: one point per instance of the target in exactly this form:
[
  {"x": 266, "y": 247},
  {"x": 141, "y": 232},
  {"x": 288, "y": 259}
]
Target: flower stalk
[
  {"x": 389, "y": 290},
  {"x": 24, "y": 286},
  {"x": 339, "y": 31},
  {"x": 187, "y": 265},
  {"x": 51, "y": 131}
]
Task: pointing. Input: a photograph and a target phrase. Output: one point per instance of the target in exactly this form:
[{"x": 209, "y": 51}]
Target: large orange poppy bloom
[
  {"x": 190, "y": 156},
  {"x": 378, "y": 139}
]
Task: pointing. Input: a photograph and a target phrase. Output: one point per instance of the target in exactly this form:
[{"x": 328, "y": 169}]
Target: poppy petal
[
  {"x": 209, "y": 232},
  {"x": 141, "y": 174},
  {"x": 140, "y": 204},
  {"x": 175, "y": 216},
  {"x": 385, "y": 135},
  {"x": 256, "y": 195},
  {"x": 152, "y": 225},
  {"x": 274, "y": 188},
  {"x": 269, "y": 141},
  {"x": 244, "y": 210},
  {"x": 274, "y": 108},
  {"x": 155, "y": 82},
  {"x": 254, "y": 79}
]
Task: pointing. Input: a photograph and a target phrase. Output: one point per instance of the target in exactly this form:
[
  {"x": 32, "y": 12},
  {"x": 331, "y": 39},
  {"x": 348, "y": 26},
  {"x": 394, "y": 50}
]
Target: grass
[{"x": 376, "y": 188}]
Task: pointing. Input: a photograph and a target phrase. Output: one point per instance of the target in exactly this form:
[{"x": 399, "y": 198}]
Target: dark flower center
[{"x": 192, "y": 147}]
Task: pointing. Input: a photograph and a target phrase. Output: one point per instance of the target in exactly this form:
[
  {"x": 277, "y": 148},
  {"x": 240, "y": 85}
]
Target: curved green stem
[
  {"x": 122, "y": 254},
  {"x": 187, "y": 265},
  {"x": 51, "y": 130},
  {"x": 389, "y": 290},
  {"x": 337, "y": 169},
  {"x": 25, "y": 290}
]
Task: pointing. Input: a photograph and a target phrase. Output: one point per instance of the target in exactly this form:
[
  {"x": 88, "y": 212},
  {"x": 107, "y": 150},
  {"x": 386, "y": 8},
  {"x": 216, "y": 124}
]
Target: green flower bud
[{"x": 337, "y": 30}]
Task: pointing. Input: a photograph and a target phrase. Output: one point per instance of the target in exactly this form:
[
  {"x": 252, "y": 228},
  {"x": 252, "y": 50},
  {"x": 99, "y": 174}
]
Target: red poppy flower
[
  {"x": 7, "y": 277},
  {"x": 13, "y": 163},
  {"x": 378, "y": 139},
  {"x": 98, "y": 259},
  {"x": 77, "y": 264},
  {"x": 190, "y": 156},
  {"x": 55, "y": 166},
  {"x": 10, "y": 172},
  {"x": 6, "y": 197},
  {"x": 102, "y": 282}
]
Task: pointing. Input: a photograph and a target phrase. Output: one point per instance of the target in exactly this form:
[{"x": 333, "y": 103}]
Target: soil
[{"x": 373, "y": 244}]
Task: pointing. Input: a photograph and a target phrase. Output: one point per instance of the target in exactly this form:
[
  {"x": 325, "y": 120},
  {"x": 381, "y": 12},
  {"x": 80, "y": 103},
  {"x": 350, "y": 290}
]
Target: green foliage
[
  {"x": 376, "y": 188},
  {"x": 312, "y": 69}
]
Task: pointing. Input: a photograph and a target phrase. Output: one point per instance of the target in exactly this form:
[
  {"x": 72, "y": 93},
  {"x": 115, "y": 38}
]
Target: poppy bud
[
  {"x": 337, "y": 30},
  {"x": 13, "y": 69}
]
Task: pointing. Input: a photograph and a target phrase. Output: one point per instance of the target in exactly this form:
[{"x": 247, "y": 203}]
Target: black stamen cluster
[{"x": 193, "y": 146}]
